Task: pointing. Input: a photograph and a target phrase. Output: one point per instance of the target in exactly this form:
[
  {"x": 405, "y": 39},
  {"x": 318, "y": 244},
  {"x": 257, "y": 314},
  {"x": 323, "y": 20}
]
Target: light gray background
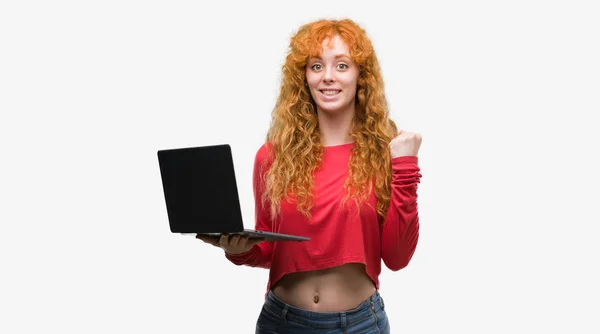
[{"x": 504, "y": 94}]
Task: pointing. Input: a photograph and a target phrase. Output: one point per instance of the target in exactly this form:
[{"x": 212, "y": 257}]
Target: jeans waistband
[{"x": 341, "y": 319}]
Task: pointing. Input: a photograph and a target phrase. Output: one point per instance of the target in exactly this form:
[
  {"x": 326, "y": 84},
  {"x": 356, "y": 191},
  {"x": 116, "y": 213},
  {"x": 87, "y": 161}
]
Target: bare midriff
[{"x": 334, "y": 289}]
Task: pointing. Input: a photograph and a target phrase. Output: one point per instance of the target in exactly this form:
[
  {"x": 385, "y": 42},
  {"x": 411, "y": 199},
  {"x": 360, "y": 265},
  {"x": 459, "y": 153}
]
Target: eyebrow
[{"x": 341, "y": 55}]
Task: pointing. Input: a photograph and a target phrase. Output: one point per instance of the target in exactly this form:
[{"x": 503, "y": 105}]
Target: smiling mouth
[{"x": 330, "y": 92}]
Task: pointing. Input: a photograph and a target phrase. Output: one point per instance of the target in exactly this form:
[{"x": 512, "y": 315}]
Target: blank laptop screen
[{"x": 200, "y": 189}]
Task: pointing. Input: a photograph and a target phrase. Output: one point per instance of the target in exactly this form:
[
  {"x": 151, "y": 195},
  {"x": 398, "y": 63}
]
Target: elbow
[
  {"x": 397, "y": 264},
  {"x": 397, "y": 261}
]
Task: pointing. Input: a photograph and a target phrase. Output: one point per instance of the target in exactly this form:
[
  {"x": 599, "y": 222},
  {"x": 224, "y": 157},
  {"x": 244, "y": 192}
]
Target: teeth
[{"x": 330, "y": 92}]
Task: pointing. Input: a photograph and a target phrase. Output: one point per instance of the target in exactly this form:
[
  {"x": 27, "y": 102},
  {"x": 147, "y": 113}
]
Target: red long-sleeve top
[{"x": 338, "y": 235}]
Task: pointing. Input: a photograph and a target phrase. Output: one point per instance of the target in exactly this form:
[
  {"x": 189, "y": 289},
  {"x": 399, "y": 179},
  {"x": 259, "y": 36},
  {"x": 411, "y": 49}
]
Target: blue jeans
[{"x": 278, "y": 317}]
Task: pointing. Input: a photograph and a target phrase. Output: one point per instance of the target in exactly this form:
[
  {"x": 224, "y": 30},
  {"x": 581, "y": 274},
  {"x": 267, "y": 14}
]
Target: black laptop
[{"x": 201, "y": 193}]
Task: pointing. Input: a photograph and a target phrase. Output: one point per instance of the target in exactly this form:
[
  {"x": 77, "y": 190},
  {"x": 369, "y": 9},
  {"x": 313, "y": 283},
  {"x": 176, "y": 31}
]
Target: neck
[{"x": 335, "y": 126}]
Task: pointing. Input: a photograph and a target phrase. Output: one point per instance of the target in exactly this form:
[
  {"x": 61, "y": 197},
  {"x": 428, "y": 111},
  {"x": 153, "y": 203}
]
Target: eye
[
  {"x": 316, "y": 67},
  {"x": 342, "y": 66}
]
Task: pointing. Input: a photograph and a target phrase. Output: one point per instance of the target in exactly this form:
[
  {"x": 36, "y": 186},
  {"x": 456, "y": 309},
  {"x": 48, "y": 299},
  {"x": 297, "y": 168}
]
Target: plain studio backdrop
[{"x": 504, "y": 94}]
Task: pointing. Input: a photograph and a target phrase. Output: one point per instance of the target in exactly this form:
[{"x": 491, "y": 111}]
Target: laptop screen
[{"x": 200, "y": 189}]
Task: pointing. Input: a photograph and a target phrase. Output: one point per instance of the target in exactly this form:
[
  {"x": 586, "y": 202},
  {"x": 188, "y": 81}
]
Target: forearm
[{"x": 400, "y": 231}]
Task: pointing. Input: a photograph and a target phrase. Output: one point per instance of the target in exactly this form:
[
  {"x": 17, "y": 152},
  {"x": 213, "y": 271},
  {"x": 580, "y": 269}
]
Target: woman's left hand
[{"x": 405, "y": 144}]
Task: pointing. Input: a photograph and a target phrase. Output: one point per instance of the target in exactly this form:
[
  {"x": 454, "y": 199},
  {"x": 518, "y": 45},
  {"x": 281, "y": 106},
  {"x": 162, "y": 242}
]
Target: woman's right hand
[{"x": 232, "y": 244}]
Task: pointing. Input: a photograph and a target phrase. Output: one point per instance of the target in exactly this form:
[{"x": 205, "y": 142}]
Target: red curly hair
[{"x": 294, "y": 135}]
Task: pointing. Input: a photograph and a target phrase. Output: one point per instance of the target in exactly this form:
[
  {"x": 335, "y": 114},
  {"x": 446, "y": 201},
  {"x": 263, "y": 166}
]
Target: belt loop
[
  {"x": 372, "y": 304},
  {"x": 284, "y": 313},
  {"x": 343, "y": 321}
]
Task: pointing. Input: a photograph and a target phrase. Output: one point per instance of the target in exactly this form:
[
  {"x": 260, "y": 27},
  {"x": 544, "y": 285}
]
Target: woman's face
[{"x": 332, "y": 77}]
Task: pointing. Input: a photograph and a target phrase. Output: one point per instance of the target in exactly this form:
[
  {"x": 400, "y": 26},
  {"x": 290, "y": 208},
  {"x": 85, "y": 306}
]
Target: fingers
[
  {"x": 208, "y": 239},
  {"x": 236, "y": 240},
  {"x": 230, "y": 243},
  {"x": 232, "y": 240}
]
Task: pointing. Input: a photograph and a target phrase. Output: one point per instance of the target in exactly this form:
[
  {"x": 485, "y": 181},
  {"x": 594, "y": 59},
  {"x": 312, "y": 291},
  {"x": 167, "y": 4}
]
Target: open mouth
[{"x": 330, "y": 92}]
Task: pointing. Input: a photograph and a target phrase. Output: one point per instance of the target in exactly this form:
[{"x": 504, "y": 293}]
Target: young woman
[{"x": 336, "y": 169}]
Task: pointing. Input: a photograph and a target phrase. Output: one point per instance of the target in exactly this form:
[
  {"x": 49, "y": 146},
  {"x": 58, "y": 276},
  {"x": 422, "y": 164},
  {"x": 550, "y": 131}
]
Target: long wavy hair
[{"x": 294, "y": 136}]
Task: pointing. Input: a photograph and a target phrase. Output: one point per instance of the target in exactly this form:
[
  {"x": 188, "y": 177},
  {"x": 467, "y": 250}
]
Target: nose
[{"x": 329, "y": 76}]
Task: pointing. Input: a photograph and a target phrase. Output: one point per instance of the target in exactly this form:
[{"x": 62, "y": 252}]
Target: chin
[{"x": 333, "y": 109}]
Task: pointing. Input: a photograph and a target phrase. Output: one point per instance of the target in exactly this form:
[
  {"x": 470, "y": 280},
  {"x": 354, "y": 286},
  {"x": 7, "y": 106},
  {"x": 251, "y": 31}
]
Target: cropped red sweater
[{"x": 338, "y": 235}]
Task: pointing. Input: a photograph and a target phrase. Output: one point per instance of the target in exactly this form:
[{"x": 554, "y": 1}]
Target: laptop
[{"x": 201, "y": 193}]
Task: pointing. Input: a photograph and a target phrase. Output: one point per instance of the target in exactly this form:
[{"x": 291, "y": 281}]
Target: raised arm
[
  {"x": 400, "y": 232},
  {"x": 259, "y": 255}
]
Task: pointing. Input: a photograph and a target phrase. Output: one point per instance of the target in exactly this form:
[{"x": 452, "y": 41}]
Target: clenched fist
[{"x": 405, "y": 144}]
